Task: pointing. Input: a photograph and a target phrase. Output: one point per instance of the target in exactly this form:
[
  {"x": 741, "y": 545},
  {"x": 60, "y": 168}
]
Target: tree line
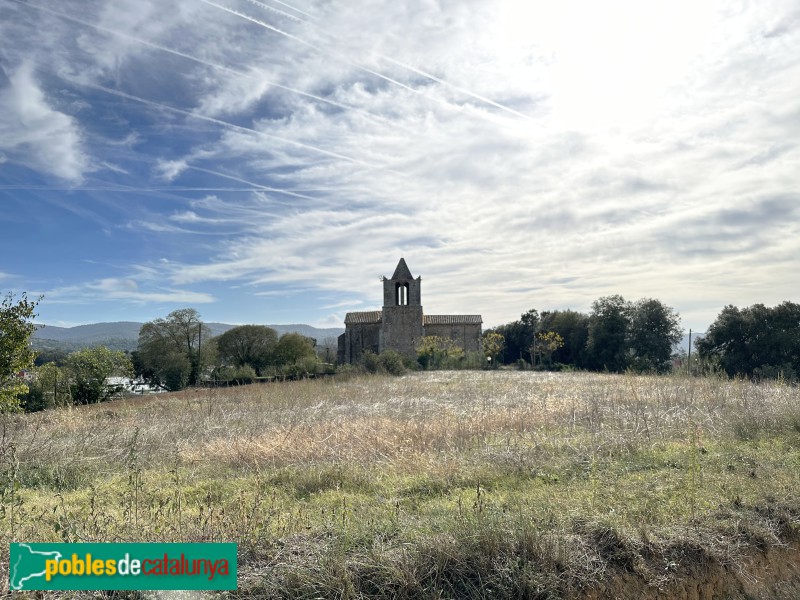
[
  {"x": 617, "y": 335},
  {"x": 178, "y": 351},
  {"x": 173, "y": 353},
  {"x": 756, "y": 342}
]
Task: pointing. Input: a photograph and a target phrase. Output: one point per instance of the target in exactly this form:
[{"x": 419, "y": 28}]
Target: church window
[{"x": 401, "y": 294}]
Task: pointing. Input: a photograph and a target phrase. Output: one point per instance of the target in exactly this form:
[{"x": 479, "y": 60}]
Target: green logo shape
[{"x": 173, "y": 566}]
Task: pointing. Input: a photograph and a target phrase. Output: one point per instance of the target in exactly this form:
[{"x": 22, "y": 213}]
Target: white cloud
[
  {"x": 123, "y": 289},
  {"x": 235, "y": 94},
  {"x": 621, "y": 177},
  {"x": 168, "y": 170},
  {"x": 32, "y": 132},
  {"x": 189, "y": 216},
  {"x": 344, "y": 304}
]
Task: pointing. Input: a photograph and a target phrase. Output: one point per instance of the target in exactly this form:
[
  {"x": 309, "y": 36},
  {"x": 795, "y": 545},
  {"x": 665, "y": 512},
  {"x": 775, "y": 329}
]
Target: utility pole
[
  {"x": 689, "y": 359},
  {"x": 199, "y": 347}
]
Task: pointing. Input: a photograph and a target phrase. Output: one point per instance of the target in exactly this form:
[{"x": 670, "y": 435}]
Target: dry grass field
[{"x": 435, "y": 485}]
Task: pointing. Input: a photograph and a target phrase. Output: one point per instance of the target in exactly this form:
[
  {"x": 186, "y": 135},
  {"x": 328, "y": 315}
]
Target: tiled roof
[
  {"x": 452, "y": 320},
  {"x": 367, "y": 316}
]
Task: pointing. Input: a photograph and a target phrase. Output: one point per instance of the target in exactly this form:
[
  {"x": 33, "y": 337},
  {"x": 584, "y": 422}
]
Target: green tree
[
  {"x": 654, "y": 332},
  {"x": 174, "y": 371},
  {"x": 607, "y": 344},
  {"x": 293, "y": 348},
  {"x": 141, "y": 370},
  {"x": 51, "y": 355},
  {"x": 547, "y": 343},
  {"x": 776, "y": 347},
  {"x": 16, "y": 355},
  {"x": 252, "y": 345},
  {"x": 573, "y": 327},
  {"x": 725, "y": 342},
  {"x": 166, "y": 346},
  {"x": 756, "y": 341},
  {"x": 492, "y": 343},
  {"x": 50, "y": 388},
  {"x": 518, "y": 336},
  {"x": 515, "y": 344},
  {"x": 89, "y": 370}
]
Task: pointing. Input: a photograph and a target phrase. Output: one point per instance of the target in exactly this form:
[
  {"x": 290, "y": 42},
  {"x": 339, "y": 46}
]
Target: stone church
[{"x": 401, "y": 323}]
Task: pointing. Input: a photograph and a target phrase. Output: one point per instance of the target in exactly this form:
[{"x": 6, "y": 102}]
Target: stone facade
[{"x": 401, "y": 324}]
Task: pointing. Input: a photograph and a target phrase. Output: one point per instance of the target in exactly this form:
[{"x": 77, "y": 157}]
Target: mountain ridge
[{"x": 124, "y": 335}]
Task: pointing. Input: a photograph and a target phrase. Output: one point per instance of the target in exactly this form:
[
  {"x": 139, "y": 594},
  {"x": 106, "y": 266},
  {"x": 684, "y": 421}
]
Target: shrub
[
  {"x": 474, "y": 360},
  {"x": 434, "y": 352},
  {"x": 371, "y": 362},
  {"x": 347, "y": 371},
  {"x": 392, "y": 362},
  {"x": 387, "y": 362},
  {"x": 411, "y": 364},
  {"x": 235, "y": 375},
  {"x": 302, "y": 368},
  {"x": 244, "y": 374}
]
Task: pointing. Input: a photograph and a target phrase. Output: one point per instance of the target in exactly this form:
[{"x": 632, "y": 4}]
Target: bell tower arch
[{"x": 401, "y": 329}]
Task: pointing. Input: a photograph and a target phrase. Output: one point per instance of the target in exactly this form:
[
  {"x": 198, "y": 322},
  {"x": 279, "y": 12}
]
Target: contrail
[
  {"x": 240, "y": 73},
  {"x": 128, "y": 189},
  {"x": 277, "y": 11},
  {"x": 289, "y": 6},
  {"x": 407, "y": 67},
  {"x": 255, "y": 186},
  {"x": 193, "y": 58},
  {"x": 313, "y": 46},
  {"x": 456, "y": 87},
  {"x": 373, "y": 117},
  {"x": 190, "y": 113}
]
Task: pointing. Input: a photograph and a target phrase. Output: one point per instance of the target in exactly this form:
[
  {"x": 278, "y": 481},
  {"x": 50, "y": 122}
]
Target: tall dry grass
[{"x": 382, "y": 481}]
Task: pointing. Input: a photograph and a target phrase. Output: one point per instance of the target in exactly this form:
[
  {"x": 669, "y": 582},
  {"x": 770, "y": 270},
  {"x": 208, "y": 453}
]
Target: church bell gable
[{"x": 402, "y": 289}]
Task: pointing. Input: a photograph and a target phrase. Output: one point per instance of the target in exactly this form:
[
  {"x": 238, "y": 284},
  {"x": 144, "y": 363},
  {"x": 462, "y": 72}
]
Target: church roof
[
  {"x": 402, "y": 272},
  {"x": 367, "y": 316},
  {"x": 452, "y": 320}
]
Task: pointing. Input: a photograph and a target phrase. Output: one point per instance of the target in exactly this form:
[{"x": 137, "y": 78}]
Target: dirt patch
[{"x": 773, "y": 574}]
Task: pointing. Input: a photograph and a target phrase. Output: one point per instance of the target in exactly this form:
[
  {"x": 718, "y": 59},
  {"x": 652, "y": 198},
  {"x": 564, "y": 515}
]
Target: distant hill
[
  {"x": 124, "y": 335},
  {"x": 89, "y": 334}
]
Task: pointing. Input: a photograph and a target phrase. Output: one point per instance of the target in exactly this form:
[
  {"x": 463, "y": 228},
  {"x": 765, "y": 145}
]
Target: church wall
[
  {"x": 341, "y": 349},
  {"x": 360, "y": 337},
  {"x": 402, "y": 329},
  {"x": 467, "y": 336}
]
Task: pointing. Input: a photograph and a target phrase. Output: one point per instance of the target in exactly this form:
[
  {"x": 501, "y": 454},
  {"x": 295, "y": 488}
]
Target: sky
[{"x": 268, "y": 161}]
